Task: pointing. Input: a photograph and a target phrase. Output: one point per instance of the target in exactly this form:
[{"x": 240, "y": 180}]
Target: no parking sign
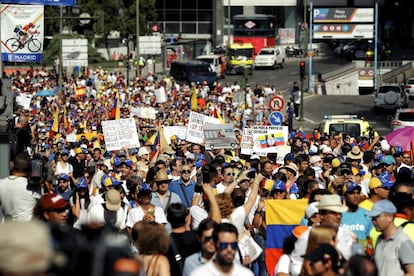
[{"x": 276, "y": 103}]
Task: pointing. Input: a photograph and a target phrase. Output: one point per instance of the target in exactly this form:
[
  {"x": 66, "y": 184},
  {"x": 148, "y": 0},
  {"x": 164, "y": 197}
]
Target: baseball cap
[
  {"x": 53, "y": 201},
  {"x": 63, "y": 176},
  {"x": 323, "y": 252},
  {"x": 345, "y": 167},
  {"x": 388, "y": 160},
  {"x": 335, "y": 163},
  {"x": 314, "y": 159},
  {"x": 142, "y": 151},
  {"x": 80, "y": 150},
  {"x": 81, "y": 183},
  {"x": 382, "y": 206},
  {"x": 289, "y": 157},
  {"x": 350, "y": 187},
  {"x": 121, "y": 153},
  {"x": 311, "y": 209},
  {"x": 113, "y": 200},
  {"x": 278, "y": 185},
  {"x": 127, "y": 162},
  {"x": 385, "y": 178},
  {"x": 145, "y": 189}
]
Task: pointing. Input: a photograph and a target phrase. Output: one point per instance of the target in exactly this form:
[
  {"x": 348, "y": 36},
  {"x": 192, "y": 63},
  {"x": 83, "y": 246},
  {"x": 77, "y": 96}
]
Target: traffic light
[{"x": 302, "y": 69}]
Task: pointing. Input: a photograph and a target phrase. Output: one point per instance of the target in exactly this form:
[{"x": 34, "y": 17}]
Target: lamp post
[
  {"x": 228, "y": 27},
  {"x": 137, "y": 35},
  {"x": 376, "y": 46}
]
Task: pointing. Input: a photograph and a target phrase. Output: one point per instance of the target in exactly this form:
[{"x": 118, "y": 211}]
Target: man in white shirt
[{"x": 225, "y": 238}]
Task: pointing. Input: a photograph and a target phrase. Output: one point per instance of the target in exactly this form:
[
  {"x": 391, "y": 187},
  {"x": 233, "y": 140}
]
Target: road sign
[
  {"x": 276, "y": 118},
  {"x": 276, "y": 103}
]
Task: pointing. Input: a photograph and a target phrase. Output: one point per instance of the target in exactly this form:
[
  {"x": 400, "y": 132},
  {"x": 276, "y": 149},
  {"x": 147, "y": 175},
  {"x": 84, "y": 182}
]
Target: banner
[
  {"x": 219, "y": 136},
  {"x": 281, "y": 217},
  {"x": 71, "y": 3},
  {"x": 144, "y": 112},
  {"x": 120, "y": 133},
  {"x": 179, "y": 131},
  {"x": 268, "y": 138},
  {"x": 195, "y": 129},
  {"x": 22, "y": 32}
]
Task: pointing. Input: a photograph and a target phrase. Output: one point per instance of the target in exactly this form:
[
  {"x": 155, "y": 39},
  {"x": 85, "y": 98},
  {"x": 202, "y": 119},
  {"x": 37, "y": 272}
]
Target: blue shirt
[
  {"x": 178, "y": 187},
  {"x": 358, "y": 222}
]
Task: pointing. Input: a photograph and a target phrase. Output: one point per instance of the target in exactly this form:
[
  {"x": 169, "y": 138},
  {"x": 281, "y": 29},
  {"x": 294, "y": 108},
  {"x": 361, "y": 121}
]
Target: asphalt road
[{"x": 316, "y": 106}]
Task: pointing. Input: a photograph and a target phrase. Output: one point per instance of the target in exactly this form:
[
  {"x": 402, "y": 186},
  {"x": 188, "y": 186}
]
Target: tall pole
[
  {"x": 376, "y": 47},
  {"x": 60, "y": 65},
  {"x": 228, "y": 27},
  {"x": 310, "y": 47},
  {"x": 305, "y": 33},
  {"x": 1, "y": 54},
  {"x": 137, "y": 36}
]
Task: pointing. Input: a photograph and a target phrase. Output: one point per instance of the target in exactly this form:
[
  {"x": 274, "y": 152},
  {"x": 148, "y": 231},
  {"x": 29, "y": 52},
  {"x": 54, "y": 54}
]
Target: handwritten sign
[
  {"x": 120, "y": 133},
  {"x": 195, "y": 129},
  {"x": 268, "y": 138}
]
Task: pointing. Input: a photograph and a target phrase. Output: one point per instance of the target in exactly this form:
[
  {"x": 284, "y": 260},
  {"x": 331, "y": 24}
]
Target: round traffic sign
[
  {"x": 276, "y": 103},
  {"x": 276, "y": 118}
]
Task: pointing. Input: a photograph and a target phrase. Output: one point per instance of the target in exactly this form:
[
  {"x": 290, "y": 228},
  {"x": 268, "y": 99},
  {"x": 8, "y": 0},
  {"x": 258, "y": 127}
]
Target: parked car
[
  {"x": 390, "y": 96},
  {"x": 409, "y": 87},
  {"x": 403, "y": 117}
]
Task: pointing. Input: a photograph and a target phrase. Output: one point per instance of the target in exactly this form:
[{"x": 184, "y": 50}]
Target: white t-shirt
[
  {"x": 209, "y": 269},
  {"x": 237, "y": 219},
  {"x": 283, "y": 265},
  {"x": 137, "y": 214},
  {"x": 96, "y": 215},
  {"x": 16, "y": 202},
  {"x": 198, "y": 214}
]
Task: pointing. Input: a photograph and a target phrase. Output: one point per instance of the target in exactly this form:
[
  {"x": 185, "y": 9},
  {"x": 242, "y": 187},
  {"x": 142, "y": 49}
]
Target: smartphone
[
  {"x": 206, "y": 177},
  {"x": 198, "y": 189}
]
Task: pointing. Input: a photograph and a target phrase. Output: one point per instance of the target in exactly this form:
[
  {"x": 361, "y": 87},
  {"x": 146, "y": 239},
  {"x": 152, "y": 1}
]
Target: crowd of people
[{"x": 183, "y": 209}]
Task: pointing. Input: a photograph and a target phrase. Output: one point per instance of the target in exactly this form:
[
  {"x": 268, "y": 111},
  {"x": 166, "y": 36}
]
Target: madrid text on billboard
[{"x": 24, "y": 57}]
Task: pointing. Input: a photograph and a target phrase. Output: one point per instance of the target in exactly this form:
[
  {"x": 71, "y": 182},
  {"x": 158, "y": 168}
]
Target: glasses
[
  {"x": 207, "y": 239},
  {"x": 230, "y": 174},
  {"x": 225, "y": 245},
  {"x": 58, "y": 210},
  {"x": 185, "y": 171}
]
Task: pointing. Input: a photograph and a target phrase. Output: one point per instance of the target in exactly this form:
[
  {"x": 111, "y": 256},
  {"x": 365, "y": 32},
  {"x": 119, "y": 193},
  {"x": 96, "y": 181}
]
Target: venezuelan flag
[
  {"x": 116, "y": 108},
  {"x": 281, "y": 217},
  {"x": 279, "y": 139}
]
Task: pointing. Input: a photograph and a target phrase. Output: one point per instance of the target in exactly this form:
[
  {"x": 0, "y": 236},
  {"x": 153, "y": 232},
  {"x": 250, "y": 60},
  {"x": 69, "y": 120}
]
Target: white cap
[{"x": 312, "y": 209}]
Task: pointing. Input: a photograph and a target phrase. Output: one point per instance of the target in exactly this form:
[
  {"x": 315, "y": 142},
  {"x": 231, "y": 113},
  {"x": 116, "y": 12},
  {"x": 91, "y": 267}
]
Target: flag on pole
[
  {"x": 281, "y": 217},
  {"x": 194, "y": 100},
  {"x": 55, "y": 126},
  {"x": 116, "y": 108},
  {"x": 80, "y": 91}
]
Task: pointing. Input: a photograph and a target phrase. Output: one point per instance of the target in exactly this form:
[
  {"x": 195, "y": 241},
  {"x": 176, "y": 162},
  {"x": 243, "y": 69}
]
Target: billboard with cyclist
[{"x": 22, "y": 32}]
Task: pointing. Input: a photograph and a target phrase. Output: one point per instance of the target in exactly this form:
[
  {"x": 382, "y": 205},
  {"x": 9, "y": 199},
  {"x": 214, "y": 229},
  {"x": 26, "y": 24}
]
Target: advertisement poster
[{"x": 22, "y": 32}]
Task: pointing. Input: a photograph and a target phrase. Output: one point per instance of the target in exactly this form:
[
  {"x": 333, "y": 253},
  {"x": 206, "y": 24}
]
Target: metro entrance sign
[{"x": 276, "y": 103}]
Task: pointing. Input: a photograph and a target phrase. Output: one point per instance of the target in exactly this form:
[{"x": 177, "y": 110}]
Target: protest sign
[
  {"x": 246, "y": 146},
  {"x": 219, "y": 136},
  {"x": 179, "y": 131},
  {"x": 195, "y": 129},
  {"x": 144, "y": 112},
  {"x": 120, "y": 134},
  {"x": 268, "y": 138}
]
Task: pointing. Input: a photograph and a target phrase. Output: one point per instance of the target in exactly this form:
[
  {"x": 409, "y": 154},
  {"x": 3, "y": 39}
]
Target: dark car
[{"x": 356, "y": 50}]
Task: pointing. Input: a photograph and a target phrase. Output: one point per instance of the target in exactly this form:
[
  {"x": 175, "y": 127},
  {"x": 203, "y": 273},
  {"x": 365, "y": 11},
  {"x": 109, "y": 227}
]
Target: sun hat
[
  {"x": 161, "y": 176},
  {"x": 142, "y": 151},
  {"x": 292, "y": 168},
  {"x": 355, "y": 153},
  {"x": 113, "y": 200},
  {"x": 314, "y": 159},
  {"x": 382, "y": 206},
  {"x": 26, "y": 248},
  {"x": 331, "y": 203}
]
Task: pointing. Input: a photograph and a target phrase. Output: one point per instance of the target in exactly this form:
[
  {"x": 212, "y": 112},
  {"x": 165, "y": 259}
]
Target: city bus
[{"x": 257, "y": 29}]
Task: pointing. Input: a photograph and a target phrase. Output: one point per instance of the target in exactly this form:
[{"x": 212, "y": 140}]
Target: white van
[
  {"x": 270, "y": 57},
  {"x": 217, "y": 62}
]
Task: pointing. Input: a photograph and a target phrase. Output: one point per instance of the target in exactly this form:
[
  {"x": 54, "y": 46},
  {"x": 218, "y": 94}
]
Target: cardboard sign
[{"x": 120, "y": 134}]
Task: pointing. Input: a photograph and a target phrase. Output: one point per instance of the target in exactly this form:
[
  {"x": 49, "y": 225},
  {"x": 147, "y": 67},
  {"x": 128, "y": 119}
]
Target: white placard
[
  {"x": 71, "y": 137},
  {"x": 246, "y": 146},
  {"x": 281, "y": 153},
  {"x": 144, "y": 112},
  {"x": 268, "y": 138},
  {"x": 24, "y": 101},
  {"x": 219, "y": 136},
  {"x": 179, "y": 131},
  {"x": 195, "y": 129},
  {"x": 120, "y": 134}
]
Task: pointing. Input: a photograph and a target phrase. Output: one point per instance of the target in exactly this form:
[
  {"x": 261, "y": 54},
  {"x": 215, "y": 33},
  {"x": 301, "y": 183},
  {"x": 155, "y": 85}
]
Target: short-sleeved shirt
[
  {"x": 209, "y": 269},
  {"x": 156, "y": 200},
  {"x": 358, "y": 222},
  {"x": 392, "y": 254},
  {"x": 137, "y": 214}
]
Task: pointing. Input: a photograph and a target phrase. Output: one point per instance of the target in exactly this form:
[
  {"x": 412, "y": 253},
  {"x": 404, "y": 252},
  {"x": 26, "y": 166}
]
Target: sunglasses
[
  {"x": 230, "y": 174},
  {"x": 185, "y": 171},
  {"x": 225, "y": 245},
  {"x": 207, "y": 239}
]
